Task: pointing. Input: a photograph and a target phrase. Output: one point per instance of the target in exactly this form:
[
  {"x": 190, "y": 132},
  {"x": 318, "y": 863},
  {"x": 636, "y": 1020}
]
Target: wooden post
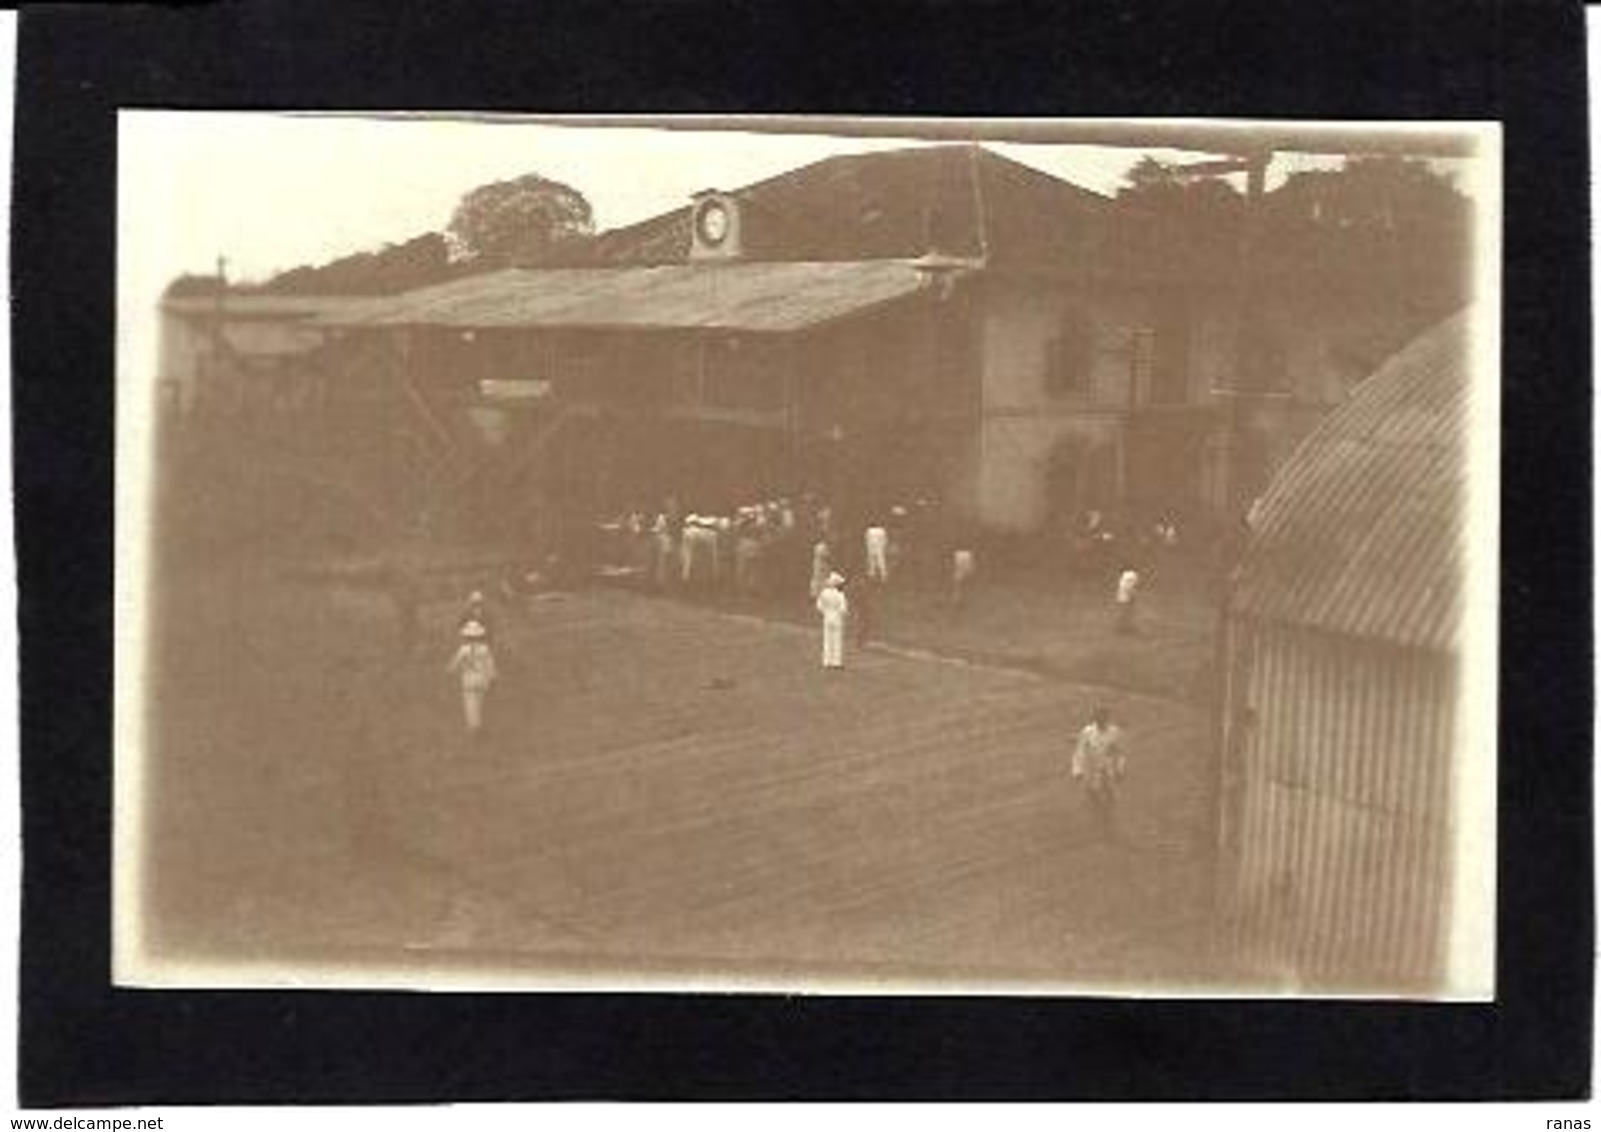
[
  {"x": 1233, "y": 491},
  {"x": 1247, "y": 318},
  {"x": 792, "y": 419},
  {"x": 700, "y": 371}
]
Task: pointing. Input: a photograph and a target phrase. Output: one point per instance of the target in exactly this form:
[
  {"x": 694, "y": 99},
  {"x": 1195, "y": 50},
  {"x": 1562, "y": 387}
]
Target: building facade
[
  {"x": 241, "y": 353},
  {"x": 935, "y": 322}
]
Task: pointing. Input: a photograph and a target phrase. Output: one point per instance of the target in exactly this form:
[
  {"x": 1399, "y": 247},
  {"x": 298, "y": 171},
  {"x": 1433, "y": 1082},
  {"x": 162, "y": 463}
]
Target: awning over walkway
[{"x": 755, "y": 297}]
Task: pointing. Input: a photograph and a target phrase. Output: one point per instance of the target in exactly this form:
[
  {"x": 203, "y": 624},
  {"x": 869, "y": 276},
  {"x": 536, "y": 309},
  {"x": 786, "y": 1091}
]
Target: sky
[{"x": 272, "y": 191}]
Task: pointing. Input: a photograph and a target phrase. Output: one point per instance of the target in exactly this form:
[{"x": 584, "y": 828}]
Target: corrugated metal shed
[
  {"x": 1337, "y": 819},
  {"x": 1361, "y": 532},
  {"x": 759, "y": 297}
]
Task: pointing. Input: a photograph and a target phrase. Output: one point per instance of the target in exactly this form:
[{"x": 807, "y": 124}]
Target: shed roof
[
  {"x": 235, "y": 305},
  {"x": 282, "y": 341},
  {"x": 760, "y": 297},
  {"x": 1361, "y": 532},
  {"x": 955, "y": 199}
]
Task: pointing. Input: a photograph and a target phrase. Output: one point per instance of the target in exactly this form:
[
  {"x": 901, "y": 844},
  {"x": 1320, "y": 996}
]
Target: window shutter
[
  {"x": 1142, "y": 363},
  {"x": 1067, "y": 355}
]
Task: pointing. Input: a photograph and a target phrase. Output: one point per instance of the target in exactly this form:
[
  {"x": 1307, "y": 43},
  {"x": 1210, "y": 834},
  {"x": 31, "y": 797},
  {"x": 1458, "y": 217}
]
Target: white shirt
[
  {"x": 1127, "y": 583},
  {"x": 832, "y": 605},
  {"x": 475, "y": 664},
  {"x": 1099, "y": 751}
]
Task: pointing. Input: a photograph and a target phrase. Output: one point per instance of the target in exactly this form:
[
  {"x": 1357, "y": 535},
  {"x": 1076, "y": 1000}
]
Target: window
[
  {"x": 1170, "y": 360},
  {"x": 744, "y": 374},
  {"x": 1068, "y": 354},
  {"x": 1263, "y": 360},
  {"x": 684, "y": 370},
  {"x": 953, "y": 329},
  {"x": 1141, "y": 362}
]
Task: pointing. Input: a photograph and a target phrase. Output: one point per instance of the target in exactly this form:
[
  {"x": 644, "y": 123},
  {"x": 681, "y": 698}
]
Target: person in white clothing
[
  {"x": 833, "y": 607},
  {"x": 477, "y": 609},
  {"x": 474, "y": 666},
  {"x": 1099, "y": 764},
  {"x": 1128, "y": 590},
  {"x": 877, "y": 544},
  {"x": 820, "y": 569},
  {"x": 963, "y": 567},
  {"x": 723, "y": 549},
  {"x": 665, "y": 551},
  {"x": 698, "y": 552}
]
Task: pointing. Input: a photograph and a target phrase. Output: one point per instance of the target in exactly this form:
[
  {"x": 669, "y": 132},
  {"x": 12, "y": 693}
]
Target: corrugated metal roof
[
  {"x": 256, "y": 305},
  {"x": 280, "y": 342},
  {"x": 1362, "y": 530},
  {"x": 958, "y": 200},
  {"x": 736, "y": 296}
]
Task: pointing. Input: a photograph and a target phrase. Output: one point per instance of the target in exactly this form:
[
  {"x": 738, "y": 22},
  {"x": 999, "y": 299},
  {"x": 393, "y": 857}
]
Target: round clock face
[{"x": 713, "y": 223}]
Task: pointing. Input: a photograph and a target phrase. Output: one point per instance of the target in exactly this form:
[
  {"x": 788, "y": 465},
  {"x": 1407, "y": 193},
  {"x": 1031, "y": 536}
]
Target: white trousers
[
  {"x": 833, "y": 644},
  {"x": 472, "y": 706},
  {"x": 878, "y": 562},
  {"x": 664, "y": 559}
]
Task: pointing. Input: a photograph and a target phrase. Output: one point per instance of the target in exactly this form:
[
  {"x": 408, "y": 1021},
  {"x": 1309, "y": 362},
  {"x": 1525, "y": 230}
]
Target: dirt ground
[
  {"x": 669, "y": 788},
  {"x": 1061, "y": 624}
]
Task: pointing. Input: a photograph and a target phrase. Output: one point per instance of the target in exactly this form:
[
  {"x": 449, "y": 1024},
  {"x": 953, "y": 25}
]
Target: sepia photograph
[{"x": 847, "y": 555}]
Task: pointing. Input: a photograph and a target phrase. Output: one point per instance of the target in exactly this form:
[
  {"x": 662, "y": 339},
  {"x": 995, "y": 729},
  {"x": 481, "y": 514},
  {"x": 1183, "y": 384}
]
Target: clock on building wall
[
  {"x": 712, "y": 222},
  {"x": 716, "y": 227}
]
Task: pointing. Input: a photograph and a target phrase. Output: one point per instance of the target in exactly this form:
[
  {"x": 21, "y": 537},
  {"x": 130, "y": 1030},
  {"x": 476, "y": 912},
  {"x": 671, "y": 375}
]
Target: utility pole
[
  {"x": 219, "y": 344},
  {"x": 1247, "y": 378},
  {"x": 1247, "y": 338},
  {"x": 1247, "y": 316},
  {"x": 1237, "y": 472}
]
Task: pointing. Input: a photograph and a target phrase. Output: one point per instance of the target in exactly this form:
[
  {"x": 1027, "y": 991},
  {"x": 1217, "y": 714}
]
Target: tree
[
  {"x": 1395, "y": 219},
  {"x": 1200, "y": 213},
  {"x": 529, "y": 219},
  {"x": 396, "y": 267},
  {"x": 1208, "y": 206},
  {"x": 194, "y": 286},
  {"x": 1159, "y": 187},
  {"x": 1374, "y": 194},
  {"x": 1148, "y": 175}
]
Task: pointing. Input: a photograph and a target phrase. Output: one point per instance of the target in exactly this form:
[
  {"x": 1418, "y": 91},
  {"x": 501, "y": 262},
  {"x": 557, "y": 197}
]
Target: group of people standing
[
  {"x": 1095, "y": 536},
  {"x": 703, "y": 552},
  {"x": 767, "y": 547},
  {"x": 1099, "y": 756},
  {"x": 880, "y": 552},
  {"x": 770, "y": 548},
  {"x": 840, "y": 603}
]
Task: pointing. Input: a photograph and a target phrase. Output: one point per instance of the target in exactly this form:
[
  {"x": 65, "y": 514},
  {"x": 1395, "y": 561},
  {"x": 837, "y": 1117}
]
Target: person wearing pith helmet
[
  {"x": 474, "y": 667},
  {"x": 833, "y": 607}
]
